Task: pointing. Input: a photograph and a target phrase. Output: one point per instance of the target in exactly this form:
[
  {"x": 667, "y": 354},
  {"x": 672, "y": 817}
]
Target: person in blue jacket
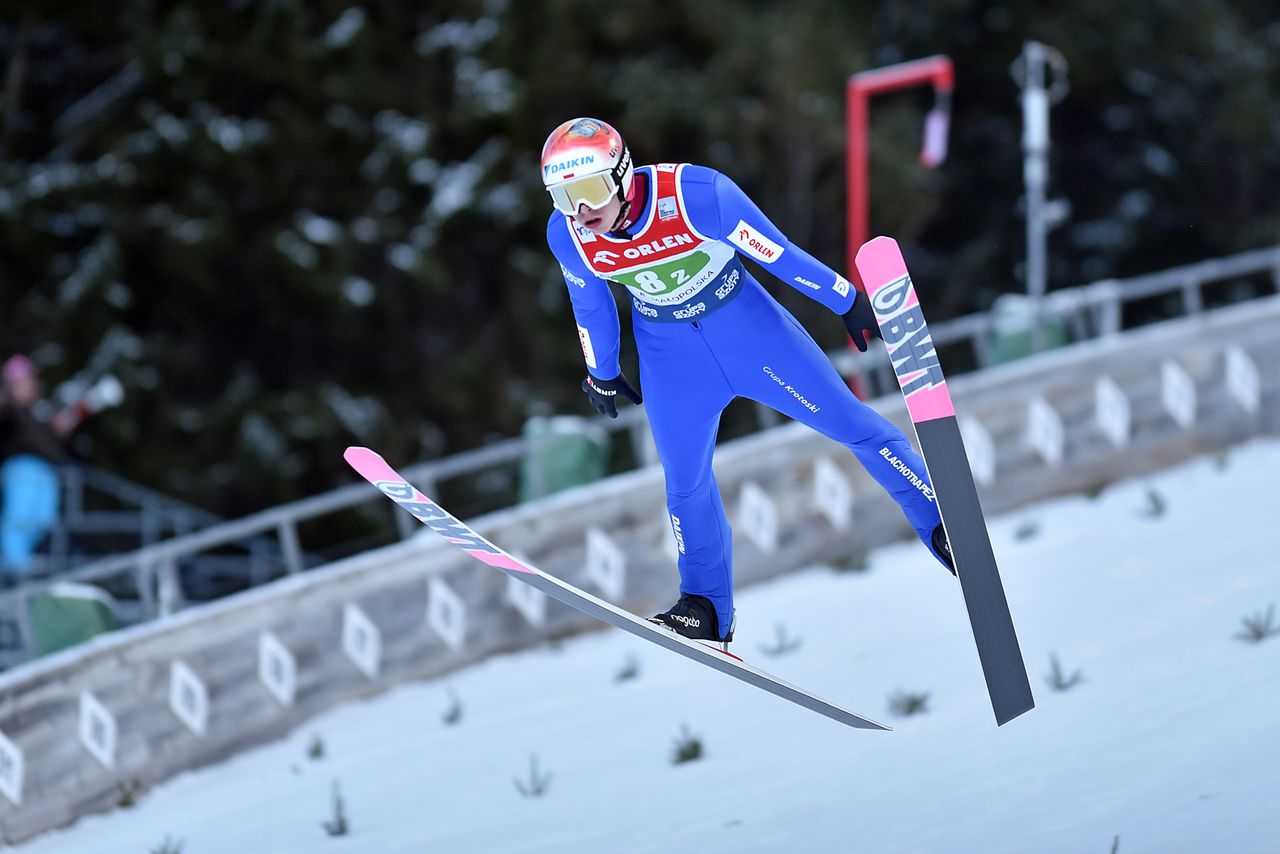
[
  {"x": 30, "y": 452},
  {"x": 707, "y": 332}
]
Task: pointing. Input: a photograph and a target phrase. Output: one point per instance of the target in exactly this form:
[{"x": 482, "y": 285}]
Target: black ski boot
[
  {"x": 694, "y": 617},
  {"x": 942, "y": 548}
]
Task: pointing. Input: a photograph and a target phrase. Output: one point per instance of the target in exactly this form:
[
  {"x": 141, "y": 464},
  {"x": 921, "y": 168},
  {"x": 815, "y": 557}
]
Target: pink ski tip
[
  {"x": 370, "y": 465},
  {"x": 877, "y": 244},
  {"x": 363, "y": 459},
  {"x": 879, "y": 261}
]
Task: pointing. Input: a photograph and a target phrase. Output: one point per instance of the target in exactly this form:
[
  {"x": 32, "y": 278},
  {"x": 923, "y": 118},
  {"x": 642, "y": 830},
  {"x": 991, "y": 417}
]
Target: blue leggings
[{"x": 753, "y": 348}]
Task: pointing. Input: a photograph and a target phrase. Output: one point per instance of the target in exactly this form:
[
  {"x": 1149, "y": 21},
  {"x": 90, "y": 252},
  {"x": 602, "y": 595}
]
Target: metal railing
[
  {"x": 142, "y": 515},
  {"x": 1090, "y": 311},
  {"x": 103, "y": 514}
]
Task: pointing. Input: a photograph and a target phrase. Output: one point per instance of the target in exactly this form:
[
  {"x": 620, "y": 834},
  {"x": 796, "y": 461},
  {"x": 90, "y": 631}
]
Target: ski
[
  {"x": 373, "y": 468},
  {"x": 915, "y": 362}
]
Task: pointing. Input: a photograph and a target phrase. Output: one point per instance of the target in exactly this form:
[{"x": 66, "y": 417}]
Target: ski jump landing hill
[{"x": 83, "y": 729}]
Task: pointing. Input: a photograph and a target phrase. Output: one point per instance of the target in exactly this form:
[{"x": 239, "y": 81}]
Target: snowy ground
[{"x": 1170, "y": 742}]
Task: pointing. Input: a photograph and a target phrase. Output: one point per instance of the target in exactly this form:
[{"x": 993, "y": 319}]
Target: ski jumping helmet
[{"x": 585, "y": 161}]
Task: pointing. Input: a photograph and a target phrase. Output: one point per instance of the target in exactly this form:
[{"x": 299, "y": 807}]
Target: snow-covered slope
[{"x": 1170, "y": 741}]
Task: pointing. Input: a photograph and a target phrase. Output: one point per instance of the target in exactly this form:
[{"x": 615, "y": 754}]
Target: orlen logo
[
  {"x": 653, "y": 247},
  {"x": 570, "y": 164},
  {"x": 604, "y": 256},
  {"x": 754, "y": 243}
]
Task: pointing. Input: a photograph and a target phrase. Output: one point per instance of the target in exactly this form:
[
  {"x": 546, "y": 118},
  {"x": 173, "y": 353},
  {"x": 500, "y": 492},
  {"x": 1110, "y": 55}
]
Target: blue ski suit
[{"x": 707, "y": 332}]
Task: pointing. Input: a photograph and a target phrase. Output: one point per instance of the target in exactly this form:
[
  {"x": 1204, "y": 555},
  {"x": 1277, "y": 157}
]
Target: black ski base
[{"x": 975, "y": 562}]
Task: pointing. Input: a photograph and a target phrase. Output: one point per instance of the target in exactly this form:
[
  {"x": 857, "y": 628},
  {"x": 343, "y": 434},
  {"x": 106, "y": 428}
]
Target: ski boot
[
  {"x": 942, "y": 548},
  {"x": 694, "y": 617}
]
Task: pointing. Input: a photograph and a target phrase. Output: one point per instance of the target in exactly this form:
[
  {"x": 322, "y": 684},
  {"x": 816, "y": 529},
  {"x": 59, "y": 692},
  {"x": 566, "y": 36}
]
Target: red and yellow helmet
[{"x": 585, "y": 161}]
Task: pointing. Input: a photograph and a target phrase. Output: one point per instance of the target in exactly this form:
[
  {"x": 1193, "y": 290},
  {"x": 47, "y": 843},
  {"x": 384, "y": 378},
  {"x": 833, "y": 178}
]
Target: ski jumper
[{"x": 707, "y": 332}]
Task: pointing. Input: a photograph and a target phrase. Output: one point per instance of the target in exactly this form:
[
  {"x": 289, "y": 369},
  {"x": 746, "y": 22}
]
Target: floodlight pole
[
  {"x": 935, "y": 70},
  {"x": 1030, "y": 71}
]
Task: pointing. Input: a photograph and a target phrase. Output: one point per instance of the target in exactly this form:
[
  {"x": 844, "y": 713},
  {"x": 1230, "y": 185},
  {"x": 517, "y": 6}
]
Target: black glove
[
  {"x": 859, "y": 319},
  {"x": 603, "y": 394}
]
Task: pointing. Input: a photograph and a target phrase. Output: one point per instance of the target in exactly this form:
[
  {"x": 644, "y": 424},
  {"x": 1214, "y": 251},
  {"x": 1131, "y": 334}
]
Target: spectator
[{"x": 30, "y": 451}]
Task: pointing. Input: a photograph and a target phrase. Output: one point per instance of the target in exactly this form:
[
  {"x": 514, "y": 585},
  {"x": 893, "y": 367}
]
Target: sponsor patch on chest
[{"x": 649, "y": 250}]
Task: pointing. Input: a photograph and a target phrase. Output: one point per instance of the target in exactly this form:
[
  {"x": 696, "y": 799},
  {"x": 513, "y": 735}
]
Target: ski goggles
[{"x": 594, "y": 191}]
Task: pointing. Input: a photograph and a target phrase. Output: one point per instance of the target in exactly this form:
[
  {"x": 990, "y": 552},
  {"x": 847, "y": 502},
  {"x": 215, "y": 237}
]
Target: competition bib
[{"x": 672, "y": 272}]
